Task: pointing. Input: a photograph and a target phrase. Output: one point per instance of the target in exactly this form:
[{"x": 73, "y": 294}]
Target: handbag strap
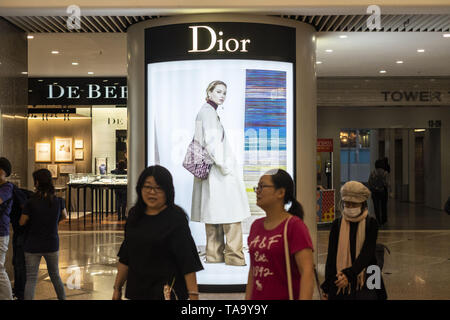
[{"x": 288, "y": 260}]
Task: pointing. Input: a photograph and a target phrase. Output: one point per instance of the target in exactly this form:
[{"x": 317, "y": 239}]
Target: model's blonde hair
[{"x": 212, "y": 85}]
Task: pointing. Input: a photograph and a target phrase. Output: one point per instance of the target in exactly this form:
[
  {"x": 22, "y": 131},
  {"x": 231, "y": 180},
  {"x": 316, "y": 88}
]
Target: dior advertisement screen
[
  {"x": 219, "y": 114},
  {"x": 240, "y": 114}
]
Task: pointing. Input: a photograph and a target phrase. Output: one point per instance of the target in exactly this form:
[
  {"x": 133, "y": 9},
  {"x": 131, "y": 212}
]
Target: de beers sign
[{"x": 77, "y": 91}]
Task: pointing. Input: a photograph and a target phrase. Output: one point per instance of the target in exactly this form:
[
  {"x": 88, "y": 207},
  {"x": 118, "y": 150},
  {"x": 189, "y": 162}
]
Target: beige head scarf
[{"x": 352, "y": 191}]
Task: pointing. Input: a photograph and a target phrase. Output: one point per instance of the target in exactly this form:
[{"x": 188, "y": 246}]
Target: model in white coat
[{"x": 220, "y": 201}]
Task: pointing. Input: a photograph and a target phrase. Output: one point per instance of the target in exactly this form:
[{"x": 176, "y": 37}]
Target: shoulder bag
[
  {"x": 288, "y": 260},
  {"x": 197, "y": 160}
]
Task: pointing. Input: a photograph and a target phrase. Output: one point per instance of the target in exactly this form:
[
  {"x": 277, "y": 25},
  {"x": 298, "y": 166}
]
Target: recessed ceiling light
[
  {"x": 24, "y": 72},
  {"x": 319, "y": 62},
  {"x": 419, "y": 130},
  {"x": 382, "y": 71},
  {"x": 420, "y": 50},
  {"x": 329, "y": 50},
  {"x": 446, "y": 35},
  {"x": 40, "y": 80},
  {"x": 55, "y": 52},
  {"x": 74, "y": 63},
  {"x": 90, "y": 72},
  {"x": 30, "y": 37},
  {"x": 399, "y": 61},
  {"x": 343, "y": 36}
]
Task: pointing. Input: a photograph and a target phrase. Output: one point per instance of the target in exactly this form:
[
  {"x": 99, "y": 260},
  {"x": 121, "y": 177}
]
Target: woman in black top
[
  {"x": 41, "y": 215},
  {"x": 351, "y": 249},
  {"x": 158, "y": 254}
]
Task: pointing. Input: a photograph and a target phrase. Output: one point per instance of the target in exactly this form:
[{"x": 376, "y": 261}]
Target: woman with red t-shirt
[{"x": 267, "y": 278}]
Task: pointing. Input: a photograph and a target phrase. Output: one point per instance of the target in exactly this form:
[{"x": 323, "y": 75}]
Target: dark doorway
[
  {"x": 398, "y": 163},
  {"x": 381, "y": 147},
  {"x": 419, "y": 170},
  {"x": 121, "y": 145}
]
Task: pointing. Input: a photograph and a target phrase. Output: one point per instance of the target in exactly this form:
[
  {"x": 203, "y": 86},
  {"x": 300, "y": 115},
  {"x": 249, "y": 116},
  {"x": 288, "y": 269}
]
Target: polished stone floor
[{"x": 417, "y": 268}]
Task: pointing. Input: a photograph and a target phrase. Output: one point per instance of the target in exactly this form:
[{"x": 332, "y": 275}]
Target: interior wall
[
  {"x": 13, "y": 99},
  {"x": 46, "y": 131}
]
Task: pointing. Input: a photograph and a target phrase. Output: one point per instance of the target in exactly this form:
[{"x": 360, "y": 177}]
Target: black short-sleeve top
[
  {"x": 41, "y": 233},
  {"x": 158, "y": 249}
]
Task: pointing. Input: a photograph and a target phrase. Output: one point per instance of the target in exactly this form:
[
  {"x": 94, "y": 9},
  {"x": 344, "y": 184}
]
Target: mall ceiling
[{"x": 322, "y": 23}]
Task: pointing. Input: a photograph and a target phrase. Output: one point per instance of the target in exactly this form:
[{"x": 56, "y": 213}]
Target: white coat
[{"x": 221, "y": 198}]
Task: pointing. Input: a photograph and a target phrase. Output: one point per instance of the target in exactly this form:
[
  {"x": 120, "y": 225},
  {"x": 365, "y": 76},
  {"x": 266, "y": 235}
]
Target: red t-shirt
[{"x": 267, "y": 258}]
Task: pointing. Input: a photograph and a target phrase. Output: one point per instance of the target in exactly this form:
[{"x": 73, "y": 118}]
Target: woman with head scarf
[{"x": 351, "y": 250}]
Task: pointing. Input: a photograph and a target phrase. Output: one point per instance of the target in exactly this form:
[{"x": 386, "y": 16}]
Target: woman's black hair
[
  {"x": 164, "y": 180},
  {"x": 121, "y": 165},
  {"x": 44, "y": 185},
  {"x": 282, "y": 179},
  {"x": 379, "y": 164}
]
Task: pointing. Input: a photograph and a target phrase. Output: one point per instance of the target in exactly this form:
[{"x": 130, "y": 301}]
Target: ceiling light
[
  {"x": 105, "y": 80},
  {"x": 24, "y": 72},
  {"x": 329, "y": 50},
  {"x": 399, "y": 62},
  {"x": 55, "y": 52},
  {"x": 343, "y": 36},
  {"x": 419, "y": 130},
  {"x": 40, "y": 80},
  {"x": 382, "y": 71},
  {"x": 319, "y": 62},
  {"x": 74, "y": 63},
  {"x": 446, "y": 35},
  {"x": 420, "y": 50},
  {"x": 30, "y": 37},
  {"x": 90, "y": 72}
]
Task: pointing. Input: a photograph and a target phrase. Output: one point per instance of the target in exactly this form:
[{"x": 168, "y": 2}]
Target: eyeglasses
[
  {"x": 152, "y": 189},
  {"x": 259, "y": 187}
]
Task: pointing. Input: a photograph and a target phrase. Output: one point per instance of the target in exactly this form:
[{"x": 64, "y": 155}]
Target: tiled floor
[{"x": 417, "y": 268}]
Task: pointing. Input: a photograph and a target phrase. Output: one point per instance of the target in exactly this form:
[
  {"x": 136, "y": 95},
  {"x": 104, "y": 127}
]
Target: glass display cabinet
[
  {"x": 96, "y": 179},
  {"x": 95, "y": 195}
]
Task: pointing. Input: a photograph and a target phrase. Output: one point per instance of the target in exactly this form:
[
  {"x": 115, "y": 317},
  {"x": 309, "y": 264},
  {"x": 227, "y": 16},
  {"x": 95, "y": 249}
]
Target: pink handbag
[{"x": 197, "y": 160}]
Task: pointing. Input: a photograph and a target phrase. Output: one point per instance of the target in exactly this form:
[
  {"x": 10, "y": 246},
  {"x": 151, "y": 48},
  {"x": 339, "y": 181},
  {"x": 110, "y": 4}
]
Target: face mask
[{"x": 352, "y": 212}]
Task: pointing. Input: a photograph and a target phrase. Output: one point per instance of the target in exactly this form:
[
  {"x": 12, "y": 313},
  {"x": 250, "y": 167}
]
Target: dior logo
[{"x": 230, "y": 45}]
